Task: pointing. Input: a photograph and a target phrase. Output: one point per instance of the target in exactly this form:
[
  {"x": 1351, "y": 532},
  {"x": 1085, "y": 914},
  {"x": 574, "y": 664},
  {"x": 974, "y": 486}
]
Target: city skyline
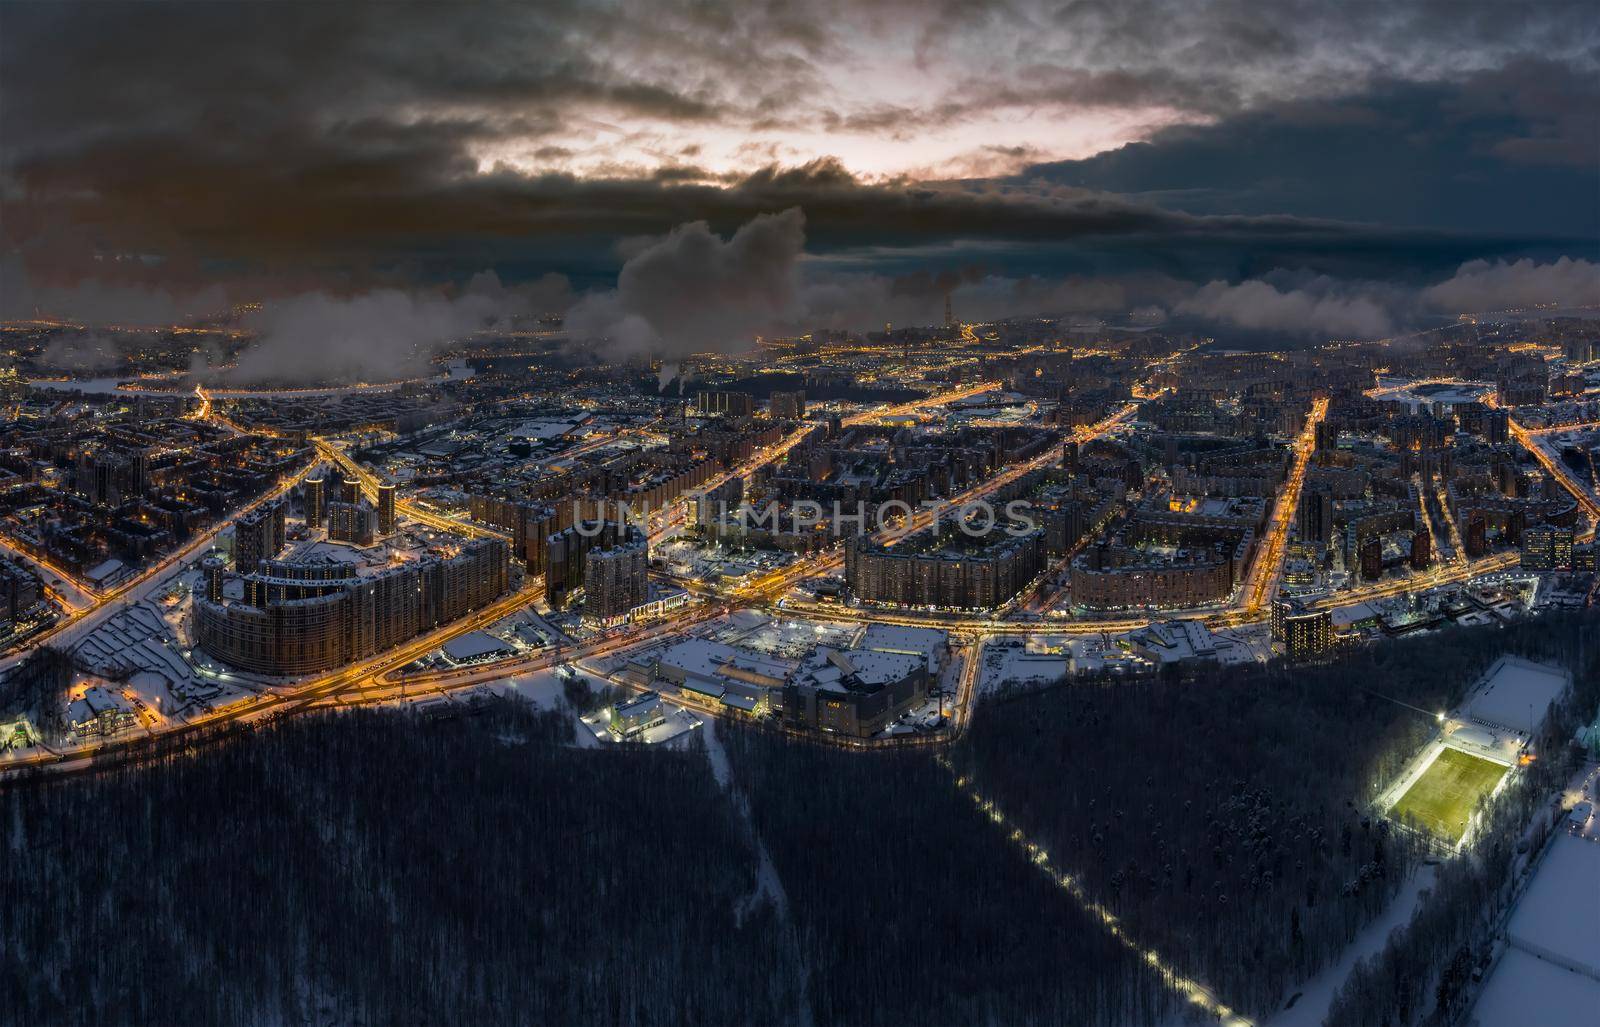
[{"x": 817, "y": 514}]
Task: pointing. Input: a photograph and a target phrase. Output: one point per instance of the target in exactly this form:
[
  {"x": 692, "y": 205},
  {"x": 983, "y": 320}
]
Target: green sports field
[{"x": 1443, "y": 797}]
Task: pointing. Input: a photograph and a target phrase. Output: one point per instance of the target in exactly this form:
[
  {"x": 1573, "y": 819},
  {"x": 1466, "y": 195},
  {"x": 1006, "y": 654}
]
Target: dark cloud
[
  {"x": 122, "y": 294},
  {"x": 1513, "y": 150},
  {"x": 371, "y": 199},
  {"x": 375, "y": 147}
]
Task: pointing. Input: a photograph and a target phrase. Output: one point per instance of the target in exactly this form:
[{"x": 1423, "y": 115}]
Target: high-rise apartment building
[
  {"x": 788, "y": 406},
  {"x": 314, "y": 496},
  {"x": 386, "y": 521},
  {"x": 567, "y": 566},
  {"x": 616, "y": 578},
  {"x": 258, "y": 536},
  {"x": 304, "y": 618},
  {"x": 1421, "y": 550},
  {"x": 1546, "y": 547},
  {"x": 1307, "y": 634},
  {"x": 351, "y": 522},
  {"x": 1314, "y": 521},
  {"x": 733, "y": 404}
]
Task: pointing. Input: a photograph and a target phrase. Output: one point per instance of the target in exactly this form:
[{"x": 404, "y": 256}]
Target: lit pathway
[{"x": 1193, "y": 991}]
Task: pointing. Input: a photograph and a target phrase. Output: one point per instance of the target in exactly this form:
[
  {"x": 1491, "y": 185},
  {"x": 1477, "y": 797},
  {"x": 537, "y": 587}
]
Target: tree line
[
  {"x": 909, "y": 906},
  {"x": 378, "y": 867},
  {"x": 1224, "y": 814}
]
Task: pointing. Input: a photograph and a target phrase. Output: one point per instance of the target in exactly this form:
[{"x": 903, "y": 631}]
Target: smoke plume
[
  {"x": 318, "y": 338},
  {"x": 693, "y": 292}
]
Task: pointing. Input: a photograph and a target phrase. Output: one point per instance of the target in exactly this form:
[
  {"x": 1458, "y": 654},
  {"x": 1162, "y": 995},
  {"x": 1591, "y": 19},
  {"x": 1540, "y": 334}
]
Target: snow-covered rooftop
[
  {"x": 1557, "y": 917},
  {"x": 875, "y": 668},
  {"x": 474, "y": 645},
  {"x": 705, "y": 658},
  {"x": 1517, "y": 694},
  {"x": 927, "y": 643},
  {"x": 1526, "y": 990}
]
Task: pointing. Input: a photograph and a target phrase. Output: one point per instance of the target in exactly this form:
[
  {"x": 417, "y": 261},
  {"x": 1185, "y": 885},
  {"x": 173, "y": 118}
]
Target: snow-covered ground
[
  {"x": 1011, "y": 661},
  {"x": 768, "y": 883},
  {"x": 1311, "y": 1000},
  {"x": 541, "y": 688},
  {"x": 140, "y": 646},
  {"x": 1524, "y": 991}
]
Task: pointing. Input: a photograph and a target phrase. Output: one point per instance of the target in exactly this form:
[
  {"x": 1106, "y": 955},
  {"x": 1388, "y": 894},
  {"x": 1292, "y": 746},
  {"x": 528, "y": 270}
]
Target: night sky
[{"x": 1316, "y": 169}]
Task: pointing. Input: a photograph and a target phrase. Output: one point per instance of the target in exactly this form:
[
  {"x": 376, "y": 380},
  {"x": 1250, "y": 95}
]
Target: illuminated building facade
[
  {"x": 314, "y": 495},
  {"x": 305, "y": 618},
  {"x": 350, "y": 522},
  {"x": 1546, "y": 547},
  {"x": 948, "y": 571},
  {"x": 258, "y": 536},
  {"x": 1307, "y": 634},
  {"x": 788, "y": 406},
  {"x": 732, "y": 404},
  {"x": 616, "y": 578},
  {"x": 386, "y": 521}
]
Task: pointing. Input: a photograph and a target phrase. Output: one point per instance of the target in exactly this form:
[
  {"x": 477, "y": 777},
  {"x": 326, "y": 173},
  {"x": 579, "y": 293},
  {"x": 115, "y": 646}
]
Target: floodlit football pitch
[{"x": 1443, "y": 798}]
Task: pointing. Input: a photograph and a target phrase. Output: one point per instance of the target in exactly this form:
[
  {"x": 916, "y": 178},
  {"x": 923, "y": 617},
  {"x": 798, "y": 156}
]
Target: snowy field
[{"x": 1524, "y": 991}]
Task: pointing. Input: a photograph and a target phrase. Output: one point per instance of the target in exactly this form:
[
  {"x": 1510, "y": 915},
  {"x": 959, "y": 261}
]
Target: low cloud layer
[
  {"x": 1483, "y": 286},
  {"x": 82, "y": 353},
  {"x": 376, "y": 336},
  {"x": 1324, "y": 307},
  {"x": 1321, "y": 307},
  {"x": 693, "y": 291},
  {"x": 864, "y": 300}
]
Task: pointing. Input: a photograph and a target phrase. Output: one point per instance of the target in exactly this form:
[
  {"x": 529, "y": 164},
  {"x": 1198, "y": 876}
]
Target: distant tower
[{"x": 949, "y": 318}]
